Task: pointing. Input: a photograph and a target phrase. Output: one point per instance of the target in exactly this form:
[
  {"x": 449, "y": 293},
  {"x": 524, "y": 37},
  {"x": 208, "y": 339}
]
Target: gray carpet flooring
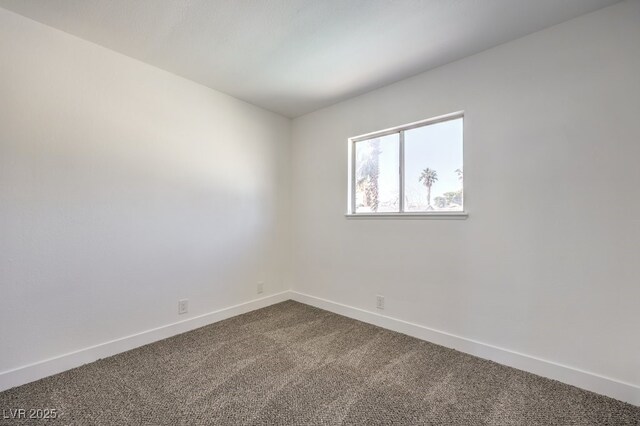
[{"x": 292, "y": 364}]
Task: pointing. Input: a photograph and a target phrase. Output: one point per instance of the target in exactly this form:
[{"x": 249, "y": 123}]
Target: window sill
[{"x": 421, "y": 215}]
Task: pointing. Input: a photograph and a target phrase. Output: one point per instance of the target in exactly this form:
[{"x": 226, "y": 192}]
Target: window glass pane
[
  {"x": 377, "y": 174},
  {"x": 433, "y": 167}
]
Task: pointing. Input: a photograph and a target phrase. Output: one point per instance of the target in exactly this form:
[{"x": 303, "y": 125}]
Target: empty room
[{"x": 320, "y": 212}]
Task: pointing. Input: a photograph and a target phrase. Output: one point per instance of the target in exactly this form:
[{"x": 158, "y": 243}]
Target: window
[{"x": 416, "y": 169}]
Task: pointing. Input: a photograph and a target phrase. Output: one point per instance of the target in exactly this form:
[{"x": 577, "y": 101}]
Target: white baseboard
[
  {"x": 583, "y": 379},
  {"x": 58, "y": 364},
  {"x": 622, "y": 391}
]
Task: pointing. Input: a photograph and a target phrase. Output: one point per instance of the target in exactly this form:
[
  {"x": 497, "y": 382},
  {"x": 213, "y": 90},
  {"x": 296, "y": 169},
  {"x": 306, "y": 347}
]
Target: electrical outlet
[
  {"x": 183, "y": 306},
  {"x": 380, "y": 302},
  {"x": 260, "y": 287}
]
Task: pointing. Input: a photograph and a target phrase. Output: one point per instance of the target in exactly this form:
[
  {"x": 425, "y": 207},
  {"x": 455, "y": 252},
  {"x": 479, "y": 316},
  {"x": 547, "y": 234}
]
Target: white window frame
[{"x": 351, "y": 199}]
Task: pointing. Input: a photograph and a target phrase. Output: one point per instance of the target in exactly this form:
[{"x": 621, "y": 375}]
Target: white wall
[
  {"x": 124, "y": 188},
  {"x": 547, "y": 262}
]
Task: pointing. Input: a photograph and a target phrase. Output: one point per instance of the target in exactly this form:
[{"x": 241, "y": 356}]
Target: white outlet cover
[{"x": 183, "y": 306}]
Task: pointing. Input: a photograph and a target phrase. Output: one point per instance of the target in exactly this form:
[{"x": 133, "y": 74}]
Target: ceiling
[{"x": 296, "y": 56}]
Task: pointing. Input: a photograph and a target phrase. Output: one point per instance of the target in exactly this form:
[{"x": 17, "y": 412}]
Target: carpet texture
[{"x": 292, "y": 364}]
